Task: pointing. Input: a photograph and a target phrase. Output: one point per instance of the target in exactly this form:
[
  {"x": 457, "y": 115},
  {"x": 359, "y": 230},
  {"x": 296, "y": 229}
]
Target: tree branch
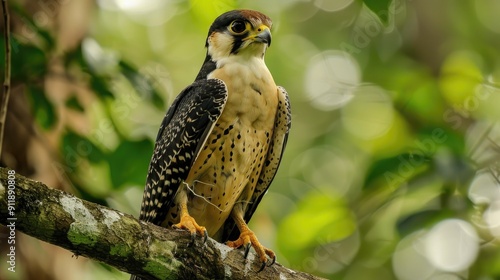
[
  {"x": 6, "y": 83},
  {"x": 120, "y": 240}
]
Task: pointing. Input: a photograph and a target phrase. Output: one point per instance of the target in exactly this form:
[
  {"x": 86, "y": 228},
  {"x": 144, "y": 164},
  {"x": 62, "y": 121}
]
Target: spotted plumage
[
  {"x": 221, "y": 142},
  {"x": 188, "y": 121}
]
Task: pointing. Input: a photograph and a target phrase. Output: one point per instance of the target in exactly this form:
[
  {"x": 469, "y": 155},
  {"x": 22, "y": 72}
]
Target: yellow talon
[
  {"x": 189, "y": 223},
  {"x": 248, "y": 238}
]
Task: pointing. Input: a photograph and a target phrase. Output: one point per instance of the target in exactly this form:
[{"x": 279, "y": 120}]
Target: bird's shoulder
[{"x": 200, "y": 94}]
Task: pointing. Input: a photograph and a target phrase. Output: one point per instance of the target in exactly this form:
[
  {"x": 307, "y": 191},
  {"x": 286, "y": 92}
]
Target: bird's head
[{"x": 239, "y": 32}]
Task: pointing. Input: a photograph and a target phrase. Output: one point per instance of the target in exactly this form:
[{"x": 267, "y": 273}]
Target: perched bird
[{"x": 221, "y": 141}]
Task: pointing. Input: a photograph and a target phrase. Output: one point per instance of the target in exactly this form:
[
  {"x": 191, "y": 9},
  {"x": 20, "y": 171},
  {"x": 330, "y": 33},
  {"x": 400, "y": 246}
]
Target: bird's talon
[
  {"x": 272, "y": 260},
  {"x": 262, "y": 266},
  {"x": 188, "y": 223},
  {"x": 248, "y": 239},
  {"x": 247, "y": 249},
  {"x": 205, "y": 236}
]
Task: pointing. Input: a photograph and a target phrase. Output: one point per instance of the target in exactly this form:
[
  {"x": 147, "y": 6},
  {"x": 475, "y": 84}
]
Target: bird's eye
[{"x": 238, "y": 26}]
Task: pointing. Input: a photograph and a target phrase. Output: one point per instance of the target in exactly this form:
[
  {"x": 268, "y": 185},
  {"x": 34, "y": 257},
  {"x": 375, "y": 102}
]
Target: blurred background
[{"x": 392, "y": 166}]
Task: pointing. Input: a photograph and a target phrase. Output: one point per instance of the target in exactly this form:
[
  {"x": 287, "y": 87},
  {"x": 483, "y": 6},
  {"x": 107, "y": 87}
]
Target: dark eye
[{"x": 238, "y": 26}]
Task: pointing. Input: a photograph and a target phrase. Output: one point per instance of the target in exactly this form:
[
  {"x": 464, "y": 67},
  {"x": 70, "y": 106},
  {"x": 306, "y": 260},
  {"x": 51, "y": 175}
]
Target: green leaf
[
  {"x": 431, "y": 138},
  {"x": 423, "y": 219},
  {"x": 401, "y": 167},
  {"x": 75, "y": 56},
  {"x": 98, "y": 83},
  {"x": 129, "y": 162},
  {"x": 100, "y": 86},
  {"x": 28, "y": 62},
  {"x": 73, "y": 103},
  {"x": 75, "y": 148},
  {"x": 379, "y": 7},
  {"x": 43, "y": 109}
]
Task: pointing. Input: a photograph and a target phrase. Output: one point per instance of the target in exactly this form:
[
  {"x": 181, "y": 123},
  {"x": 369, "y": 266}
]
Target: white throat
[{"x": 252, "y": 53}]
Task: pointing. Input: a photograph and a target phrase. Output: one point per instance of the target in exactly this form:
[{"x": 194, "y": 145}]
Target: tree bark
[{"x": 120, "y": 240}]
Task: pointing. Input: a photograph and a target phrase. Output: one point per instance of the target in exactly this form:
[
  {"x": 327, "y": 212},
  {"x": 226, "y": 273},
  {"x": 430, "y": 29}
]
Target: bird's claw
[
  {"x": 247, "y": 249},
  {"x": 248, "y": 239},
  {"x": 193, "y": 237},
  {"x": 268, "y": 262},
  {"x": 188, "y": 223},
  {"x": 262, "y": 266},
  {"x": 272, "y": 260},
  {"x": 205, "y": 236}
]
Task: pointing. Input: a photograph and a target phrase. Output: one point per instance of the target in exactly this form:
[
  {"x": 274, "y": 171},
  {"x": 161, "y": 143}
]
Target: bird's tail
[{"x": 133, "y": 277}]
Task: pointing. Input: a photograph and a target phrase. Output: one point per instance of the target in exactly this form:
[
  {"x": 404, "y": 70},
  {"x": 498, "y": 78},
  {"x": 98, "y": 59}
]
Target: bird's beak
[{"x": 261, "y": 35}]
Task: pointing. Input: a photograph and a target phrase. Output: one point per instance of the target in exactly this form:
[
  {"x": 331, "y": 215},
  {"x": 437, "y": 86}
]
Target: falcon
[{"x": 222, "y": 140}]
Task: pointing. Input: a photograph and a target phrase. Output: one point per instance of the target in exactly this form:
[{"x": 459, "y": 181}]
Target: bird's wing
[
  {"x": 182, "y": 134},
  {"x": 282, "y": 124}
]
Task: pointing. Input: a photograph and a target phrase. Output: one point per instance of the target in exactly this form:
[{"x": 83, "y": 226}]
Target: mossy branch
[{"x": 120, "y": 240}]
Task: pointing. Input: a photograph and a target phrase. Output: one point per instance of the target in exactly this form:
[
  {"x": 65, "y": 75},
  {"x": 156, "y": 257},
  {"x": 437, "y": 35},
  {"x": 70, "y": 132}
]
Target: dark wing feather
[
  {"x": 282, "y": 125},
  {"x": 182, "y": 133}
]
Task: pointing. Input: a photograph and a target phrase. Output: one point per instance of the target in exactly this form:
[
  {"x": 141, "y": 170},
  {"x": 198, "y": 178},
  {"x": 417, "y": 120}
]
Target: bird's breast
[{"x": 252, "y": 93}]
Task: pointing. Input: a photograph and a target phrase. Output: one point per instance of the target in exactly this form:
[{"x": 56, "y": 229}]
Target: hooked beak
[{"x": 262, "y": 35}]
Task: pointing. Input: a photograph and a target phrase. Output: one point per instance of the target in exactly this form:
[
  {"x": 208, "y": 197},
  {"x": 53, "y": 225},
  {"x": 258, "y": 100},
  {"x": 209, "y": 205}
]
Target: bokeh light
[
  {"x": 484, "y": 188},
  {"x": 320, "y": 167},
  {"x": 481, "y": 138},
  {"x": 409, "y": 261},
  {"x": 492, "y": 217},
  {"x": 487, "y": 13},
  {"x": 460, "y": 75},
  {"x": 101, "y": 60},
  {"x": 369, "y": 114},
  {"x": 446, "y": 276},
  {"x": 336, "y": 256},
  {"x": 452, "y": 245},
  {"x": 154, "y": 13},
  {"x": 331, "y": 78}
]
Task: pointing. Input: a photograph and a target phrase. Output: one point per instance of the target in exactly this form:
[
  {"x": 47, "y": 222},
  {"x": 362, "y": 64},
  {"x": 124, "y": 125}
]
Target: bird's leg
[
  {"x": 247, "y": 238},
  {"x": 188, "y": 222}
]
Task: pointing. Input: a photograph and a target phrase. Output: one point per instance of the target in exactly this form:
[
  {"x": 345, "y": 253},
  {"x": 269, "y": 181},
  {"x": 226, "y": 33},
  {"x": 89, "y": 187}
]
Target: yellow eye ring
[{"x": 238, "y": 27}]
